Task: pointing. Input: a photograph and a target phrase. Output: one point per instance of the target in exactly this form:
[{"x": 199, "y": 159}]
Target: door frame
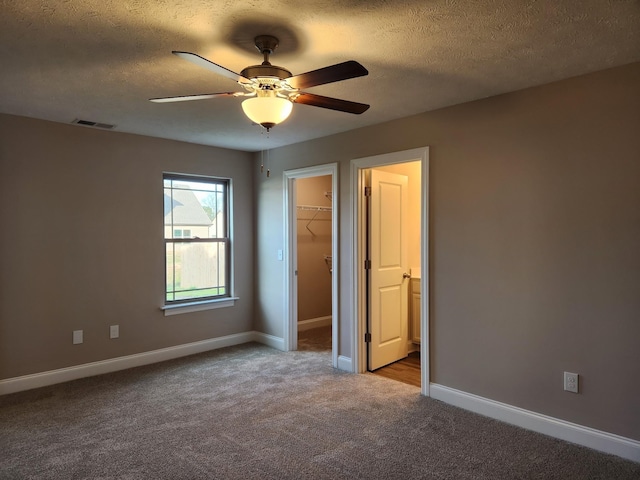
[
  {"x": 291, "y": 249},
  {"x": 358, "y": 293}
]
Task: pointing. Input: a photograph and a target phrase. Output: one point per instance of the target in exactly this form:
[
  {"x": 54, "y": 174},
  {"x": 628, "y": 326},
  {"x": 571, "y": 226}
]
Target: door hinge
[
  {"x": 367, "y": 191},
  {"x": 367, "y": 264},
  {"x": 367, "y": 338}
]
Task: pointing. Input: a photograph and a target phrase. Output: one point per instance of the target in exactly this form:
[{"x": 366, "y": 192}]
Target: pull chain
[
  {"x": 262, "y": 161},
  {"x": 265, "y": 142},
  {"x": 262, "y": 153}
]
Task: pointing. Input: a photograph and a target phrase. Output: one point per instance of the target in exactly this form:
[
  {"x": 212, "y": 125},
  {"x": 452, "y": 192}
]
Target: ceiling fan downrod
[{"x": 266, "y": 44}]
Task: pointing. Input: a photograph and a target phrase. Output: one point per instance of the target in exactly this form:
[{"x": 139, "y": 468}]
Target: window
[
  {"x": 180, "y": 233},
  {"x": 196, "y": 235}
]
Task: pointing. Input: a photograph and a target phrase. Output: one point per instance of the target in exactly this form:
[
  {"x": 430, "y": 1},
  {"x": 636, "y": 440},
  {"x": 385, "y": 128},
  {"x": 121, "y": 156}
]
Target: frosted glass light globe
[{"x": 267, "y": 111}]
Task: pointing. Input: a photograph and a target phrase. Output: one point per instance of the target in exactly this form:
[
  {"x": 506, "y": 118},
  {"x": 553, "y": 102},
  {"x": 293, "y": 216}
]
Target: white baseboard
[
  {"x": 571, "y": 432},
  {"x": 314, "y": 323},
  {"x": 43, "y": 379},
  {"x": 344, "y": 363},
  {"x": 269, "y": 340}
]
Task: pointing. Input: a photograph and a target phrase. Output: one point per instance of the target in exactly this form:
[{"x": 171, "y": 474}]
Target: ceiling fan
[{"x": 272, "y": 90}]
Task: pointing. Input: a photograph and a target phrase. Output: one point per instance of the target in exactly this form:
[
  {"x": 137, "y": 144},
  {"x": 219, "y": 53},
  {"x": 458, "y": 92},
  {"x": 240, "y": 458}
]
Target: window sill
[{"x": 198, "y": 306}]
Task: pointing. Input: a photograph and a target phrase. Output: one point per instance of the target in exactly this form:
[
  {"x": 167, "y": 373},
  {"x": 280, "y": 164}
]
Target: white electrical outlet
[
  {"x": 114, "y": 331},
  {"x": 77, "y": 337},
  {"x": 571, "y": 382}
]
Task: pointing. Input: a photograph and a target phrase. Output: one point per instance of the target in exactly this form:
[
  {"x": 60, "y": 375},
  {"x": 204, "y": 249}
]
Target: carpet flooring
[{"x": 252, "y": 412}]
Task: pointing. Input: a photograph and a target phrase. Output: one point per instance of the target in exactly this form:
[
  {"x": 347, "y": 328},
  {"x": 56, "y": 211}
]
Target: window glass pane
[
  {"x": 168, "y": 212},
  {"x": 207, "y": 186},
  {"x": 199, "y": 207},
  {"x": 170, "y": 274},
  {"x": 196, "y": 270}
]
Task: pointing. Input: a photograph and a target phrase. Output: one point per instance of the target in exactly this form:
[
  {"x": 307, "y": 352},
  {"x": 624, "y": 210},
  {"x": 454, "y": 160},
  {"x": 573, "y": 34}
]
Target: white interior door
[{"x": 389, "y": 294}]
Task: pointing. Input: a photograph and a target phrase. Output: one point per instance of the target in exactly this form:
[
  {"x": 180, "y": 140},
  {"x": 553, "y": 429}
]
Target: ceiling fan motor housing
[
  {"x": 266, "y": 44},
  {"x": 256, "y": 71}
]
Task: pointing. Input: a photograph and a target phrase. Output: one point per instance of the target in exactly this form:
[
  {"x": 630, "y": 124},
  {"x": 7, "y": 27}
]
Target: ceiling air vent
[{"x": 89, "y": 123}]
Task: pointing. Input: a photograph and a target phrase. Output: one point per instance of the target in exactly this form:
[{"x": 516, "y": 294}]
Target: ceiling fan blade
[
  {"x": 333, "y": 73},
  {"x": 209, "y": 65},
  {"x": 185, "y": 98},
  {"x": 331, "y": 103}
]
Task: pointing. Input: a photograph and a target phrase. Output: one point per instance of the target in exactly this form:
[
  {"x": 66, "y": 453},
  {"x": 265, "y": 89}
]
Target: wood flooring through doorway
[{"x": 406, "y": 370}]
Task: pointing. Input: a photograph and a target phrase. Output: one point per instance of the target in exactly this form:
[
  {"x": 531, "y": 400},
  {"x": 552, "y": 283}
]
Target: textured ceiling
[{"x": 101, "y": 61}]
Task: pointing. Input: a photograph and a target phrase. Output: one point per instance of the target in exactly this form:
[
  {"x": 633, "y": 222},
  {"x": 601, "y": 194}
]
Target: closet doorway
[{"x": 311, "y": 273}]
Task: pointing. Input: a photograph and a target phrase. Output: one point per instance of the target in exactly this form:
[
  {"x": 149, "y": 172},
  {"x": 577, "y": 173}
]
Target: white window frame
[{"x": 173, "y": 307}]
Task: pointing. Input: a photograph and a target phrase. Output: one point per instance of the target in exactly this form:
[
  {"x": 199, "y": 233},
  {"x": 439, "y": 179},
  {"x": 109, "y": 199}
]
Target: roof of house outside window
[{"x": 187, "y": 210}]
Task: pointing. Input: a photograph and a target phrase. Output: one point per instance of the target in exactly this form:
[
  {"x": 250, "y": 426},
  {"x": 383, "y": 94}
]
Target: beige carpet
[{"x": 253, "y": 412}]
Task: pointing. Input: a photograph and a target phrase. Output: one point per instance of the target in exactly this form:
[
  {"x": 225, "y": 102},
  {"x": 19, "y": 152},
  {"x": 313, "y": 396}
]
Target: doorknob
[{"x": 406, "y": 275}]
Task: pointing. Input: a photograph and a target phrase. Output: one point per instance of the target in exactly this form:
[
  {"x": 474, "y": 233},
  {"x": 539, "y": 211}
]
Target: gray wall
[
  {"x": 535, "y": 235},
  {"x": 82, "y": 244}
]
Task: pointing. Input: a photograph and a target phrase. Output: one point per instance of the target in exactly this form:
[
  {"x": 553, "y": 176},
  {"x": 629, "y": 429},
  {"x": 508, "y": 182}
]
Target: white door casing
[
  {"x": 290, "y": 255},
  {"x": 357, "y": 306},
  {"x": 389, "y": 282}
]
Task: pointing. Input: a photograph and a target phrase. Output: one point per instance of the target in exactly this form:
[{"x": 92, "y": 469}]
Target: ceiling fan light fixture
[
  {"x": 272, "y": 89},
  {"x": 267, "y": 111}
]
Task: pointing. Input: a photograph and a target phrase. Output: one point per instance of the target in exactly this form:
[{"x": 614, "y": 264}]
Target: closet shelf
[{"x": 315, "y": 208}]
